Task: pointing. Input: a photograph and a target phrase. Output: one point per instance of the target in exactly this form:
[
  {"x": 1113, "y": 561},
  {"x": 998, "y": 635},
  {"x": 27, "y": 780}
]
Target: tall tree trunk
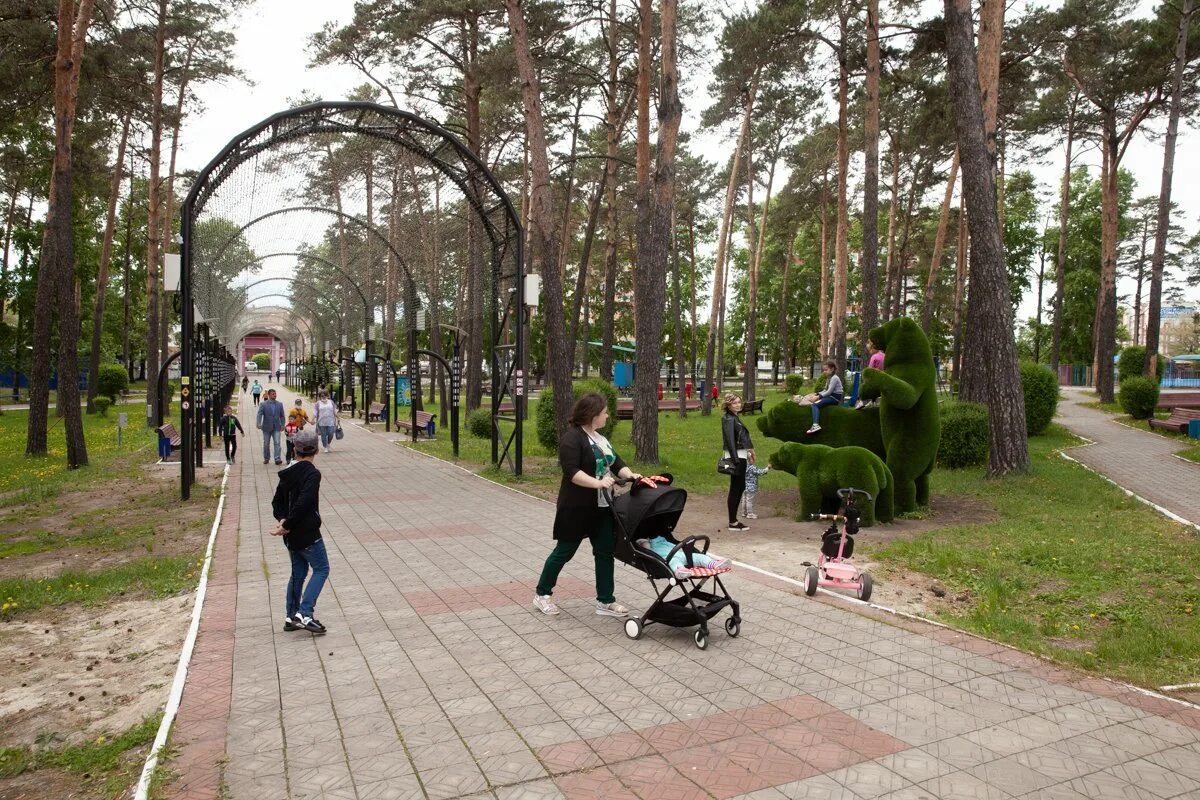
[
  {"x": 889, "y": 270},
  {"x": 718, "y": 299},
  {"x": 607, "y": 332},
  {"x": 474, "y": 350},
  {"x": 56, "y": 271},
  {"x": 677, "y": 312},
  {"x": 168, "y": 216},
  {"x": 870, "y": 225},
  {"x": 651, "y": 286},
  {"x": 1140, "y": 279},
  {"x": 939, "y": 241},
  {"x": 782, "y": 348},
  {"x": 564, "y": 246},
  {"x": 542, "y": 217},
  {"x": 154, "y": 209},
  {"x": 823, "y": 301},
  {"x": 1060, "y": 262},
  {"x": 646, "y": 334},
  {"x": 841, "y": 273},
  {"x": 960, "y": 290},
  {"x": 1105, "y": 331},
  {"x": 751, "y": 376},
  {"x": 990, "y": 349},
  {"x": 693, "y": 353},
  {"x": 9, "y": 223},
  {"x": 110, "y": 224},
  {"x": 612, "y": 132},
  {"x": 578, "y": 301},
  {"x": 902, "y": 257},
  {"x": 991, "y": 39},
  {"x": 1164, "y": 192},
  {"x": 126, "y": 278}
]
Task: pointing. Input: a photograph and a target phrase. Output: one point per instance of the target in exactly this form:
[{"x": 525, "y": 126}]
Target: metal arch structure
[
  {"x": 438, "y": 148},
  {"x": 244, "y": 306}
]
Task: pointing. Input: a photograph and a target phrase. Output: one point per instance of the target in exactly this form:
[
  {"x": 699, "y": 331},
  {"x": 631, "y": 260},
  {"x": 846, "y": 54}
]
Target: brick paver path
[
  {"x": 1140, "y": 461},
  {"x": 437, "y": 680}
]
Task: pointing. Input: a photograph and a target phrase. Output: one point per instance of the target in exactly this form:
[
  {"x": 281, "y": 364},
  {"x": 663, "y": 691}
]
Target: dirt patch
[
  {"x": 74, "y": 674},
  {"x": 778, "y": 543}
]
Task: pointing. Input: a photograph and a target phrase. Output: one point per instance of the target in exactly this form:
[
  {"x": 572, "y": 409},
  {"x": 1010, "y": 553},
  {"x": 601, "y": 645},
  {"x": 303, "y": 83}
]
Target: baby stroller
[{"x": 649, "y": 511}]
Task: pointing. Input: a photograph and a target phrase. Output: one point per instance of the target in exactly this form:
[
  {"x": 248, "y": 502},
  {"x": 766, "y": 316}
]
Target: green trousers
[{"x": 603, "y": 541}]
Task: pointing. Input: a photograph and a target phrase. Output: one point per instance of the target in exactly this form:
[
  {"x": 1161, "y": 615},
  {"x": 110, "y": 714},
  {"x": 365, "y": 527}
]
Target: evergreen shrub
[
  {"x": 1041, "y": 396},
  {"x": 964, "y": 435},
  {"x": 262, "y": 360},
  {"x": 112, "y": 381},
  {"x": 1131, "y": 361},
  {"x": 1138, "y": 396},
  {"x": 102, "y": 404},
  {"x": 792, "y": 383},
  {"x": 547, "y": 432},
  {"x": 479, "y": 423}
]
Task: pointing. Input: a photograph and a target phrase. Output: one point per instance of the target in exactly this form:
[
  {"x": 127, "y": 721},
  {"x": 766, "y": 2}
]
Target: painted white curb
[{"x": 142, "y": 789}]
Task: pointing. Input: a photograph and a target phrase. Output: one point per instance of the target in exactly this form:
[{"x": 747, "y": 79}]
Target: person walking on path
[
  {"x": 829, "y": 396},
  {"x": 326, "y": 417},
  {"x": 270, "y": 421},
  {"x": 735, "y": 439},
  {"x": 256, "y": 391},
  {"x": 230, "y": 427},
  {"x": 297, "y": 508},
  {"x": 588, "y": 464},
  {"x": 245, "y": 383},
  {"x": 297, "y": 418}
]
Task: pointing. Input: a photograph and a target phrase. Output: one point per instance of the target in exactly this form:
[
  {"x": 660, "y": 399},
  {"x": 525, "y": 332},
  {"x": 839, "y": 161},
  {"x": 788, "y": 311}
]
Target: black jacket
[
  {"x": 297, "y": 503},
  {"x": 734, "y": 435},
  {"x": 223, "y": 426},
  {"x": 578, "y": 506}
]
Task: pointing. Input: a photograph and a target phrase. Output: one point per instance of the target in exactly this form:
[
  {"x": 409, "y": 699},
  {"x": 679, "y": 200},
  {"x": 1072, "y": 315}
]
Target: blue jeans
[
  {"x": 300, "y": 597},
  {"x": 268, "y": 438},
  {"x": 326, "y": 432},
  {"x": 831, "y": 400}
]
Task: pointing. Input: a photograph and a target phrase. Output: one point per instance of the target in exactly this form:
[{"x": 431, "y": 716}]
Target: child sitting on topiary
[{"x": 829, "y": 396}]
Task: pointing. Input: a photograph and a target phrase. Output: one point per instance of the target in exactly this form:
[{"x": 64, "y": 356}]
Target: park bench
[
  {"x": 423, "y": 420},
  {"x": 1169, "y": 400},
  {"x": 169, "y": 442},
  {"x": 375, "y": 412},
  {"x": 1178, "y": 421},
  {"x": 346, "y": 405},
  {"x": 752, "y": 406}
]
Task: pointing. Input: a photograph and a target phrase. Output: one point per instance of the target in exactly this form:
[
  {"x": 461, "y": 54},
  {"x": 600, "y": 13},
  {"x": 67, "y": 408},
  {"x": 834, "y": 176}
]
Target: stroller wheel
[
  {"x": 633, "y": 628},
  {"x": 733, "y": 627},
  {"x": 701, "y": 638},
  {"x": 812, "y": 577},
  {"x": 864, "y": 586}
]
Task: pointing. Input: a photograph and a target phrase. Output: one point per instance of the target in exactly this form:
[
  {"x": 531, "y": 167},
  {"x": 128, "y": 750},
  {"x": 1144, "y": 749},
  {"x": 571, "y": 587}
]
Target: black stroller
[{"x": 644, "y": 513}]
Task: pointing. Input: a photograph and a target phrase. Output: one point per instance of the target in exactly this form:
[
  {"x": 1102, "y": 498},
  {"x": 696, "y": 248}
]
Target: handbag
[
  {"x": 337, "y": 432},
  {"x": 727, "y": 465}
]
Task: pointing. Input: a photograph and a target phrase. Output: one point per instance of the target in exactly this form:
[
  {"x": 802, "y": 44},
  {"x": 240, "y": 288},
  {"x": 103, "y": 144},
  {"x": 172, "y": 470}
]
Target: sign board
[
  {"x": 186, "y": 405},
  {"x": 519, "y": 386},
  {"x": 122, "y": 420},
  {"x": 1173, "y": 312},
  {"x": 403, "y": 391}
]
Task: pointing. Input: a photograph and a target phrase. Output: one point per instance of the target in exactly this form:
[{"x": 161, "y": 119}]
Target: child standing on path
[
  {"x": 752, "y": 473},
  {"x": 230, "y": 427},
  {"x": 296, "y": 506}
]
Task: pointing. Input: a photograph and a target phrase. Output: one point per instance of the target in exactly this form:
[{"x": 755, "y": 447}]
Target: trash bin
[
  {"x": 1194, "y": 428},
  {"x": 703, "y": 388}
]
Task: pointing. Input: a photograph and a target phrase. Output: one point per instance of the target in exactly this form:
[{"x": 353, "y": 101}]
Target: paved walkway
[
  {"x": 1139, "y": 461},
  {"x": 437, "y": 680}
]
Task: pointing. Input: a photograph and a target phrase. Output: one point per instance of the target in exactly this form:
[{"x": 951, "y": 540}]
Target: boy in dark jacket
[
  {"x": 296, "y": 506},
  {"x": 230, "y": 427}
]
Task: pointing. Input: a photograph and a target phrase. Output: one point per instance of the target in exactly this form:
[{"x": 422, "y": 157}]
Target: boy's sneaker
[
  {"x": 309, "y": 624},
  {"x": 813, "y": 429},
  {"x": 266, "y": 461},
  {"x": 277, "y": 462},
  {"x": 613, "y": 609},
  {"x": 750, "y": 515},
  {"x": 545, "y": 604},
  {"x": 737, "y": 526},
  {"x": 292, "y": 623}
]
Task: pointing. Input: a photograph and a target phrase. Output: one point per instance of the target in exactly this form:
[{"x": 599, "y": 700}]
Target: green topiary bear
[
  {"x": 840, "y": 427},
  {"x": 821, "y": 470},
  {"x": 909, "y": 419}
]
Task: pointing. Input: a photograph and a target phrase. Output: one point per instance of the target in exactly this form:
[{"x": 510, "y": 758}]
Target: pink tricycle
[{"x": 834, "y": 569}]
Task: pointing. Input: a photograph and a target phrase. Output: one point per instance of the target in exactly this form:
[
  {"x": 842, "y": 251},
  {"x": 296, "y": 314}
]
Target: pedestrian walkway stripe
[{"x": 185, "y": 656}]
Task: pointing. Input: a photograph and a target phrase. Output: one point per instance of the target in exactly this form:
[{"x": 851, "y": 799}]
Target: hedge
[
  {"x": 1041, "y": 396},
  {"x": 112, "y": 381},
  {"x": 1132, "y": 360},
  {"x": 964, "y": 440},
  {"x": 547, "y": 432},
  {"x": 1138, "y": 396},
  {"x": 479, "y": 423}
]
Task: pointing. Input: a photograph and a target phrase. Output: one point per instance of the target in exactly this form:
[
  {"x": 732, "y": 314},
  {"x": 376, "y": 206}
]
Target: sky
[{"x": 272, "y": 51}]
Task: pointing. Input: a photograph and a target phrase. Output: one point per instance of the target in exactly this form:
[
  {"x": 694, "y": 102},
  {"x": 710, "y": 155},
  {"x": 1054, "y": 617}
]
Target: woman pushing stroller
[{"x": 589, "y": 465}]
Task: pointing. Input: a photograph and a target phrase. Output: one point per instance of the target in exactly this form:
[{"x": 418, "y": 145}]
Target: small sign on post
[{"x": 122, "y": 423}]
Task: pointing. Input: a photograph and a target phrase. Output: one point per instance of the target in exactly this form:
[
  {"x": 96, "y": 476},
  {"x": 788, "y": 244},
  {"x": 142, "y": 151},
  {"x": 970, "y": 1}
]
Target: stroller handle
[{"x": 831, "y": 517}]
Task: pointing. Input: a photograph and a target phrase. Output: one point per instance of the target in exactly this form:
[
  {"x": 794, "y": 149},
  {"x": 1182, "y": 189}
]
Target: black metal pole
[{"x": 455, "y": 383}]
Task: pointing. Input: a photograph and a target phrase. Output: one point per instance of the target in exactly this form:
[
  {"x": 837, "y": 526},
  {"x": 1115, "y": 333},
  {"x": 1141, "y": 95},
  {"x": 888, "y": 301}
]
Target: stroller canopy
[{"x": 645, "y": 513}]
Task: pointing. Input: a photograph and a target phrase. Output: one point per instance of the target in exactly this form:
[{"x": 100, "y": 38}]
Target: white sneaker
[
  {"x": 613, "y": 609},
  {"x": 814, "y": 429},
  {"x": 545, "y": 604},
  {"x": 750, "y": 515}
]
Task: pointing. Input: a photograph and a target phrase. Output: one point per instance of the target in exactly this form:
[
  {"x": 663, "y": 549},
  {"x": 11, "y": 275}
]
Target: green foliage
[
  {"x": 547, "y": 432},
  {"x": 792, "y": 384},
  {"x": 262, "y": 360},
  {"x": 102, "y": 405},
  {"x": 1138, "y": 396},
  {"x": 112, "y": 381},
  {"x": 1041, "y": 396},
  {"x": 964, "y": 435},
  {"x": 99, "y": 755},
  {"x": 821, "y": 470},
  {"x": 1132, "y": 360},
  {"x": 1022, "y": 240},
  {"x": 479, "y": 423}
]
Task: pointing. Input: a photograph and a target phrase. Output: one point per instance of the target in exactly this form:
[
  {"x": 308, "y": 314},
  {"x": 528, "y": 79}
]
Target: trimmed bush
[
  {"x": 479, "y": 423},
  {"x": 112, "y": 381},
  {"x": 1138, "y": 396},
  {"x": 102, "y": 405},
  {"x": 547, "y": 433},
  {"x": 262, "y": 360},
  {"x": 792, "y": 383},
  {"x": 1041, "y": 396},
  {"x": 1131, "y": 361},
  {"x": 964, "y": 435}
]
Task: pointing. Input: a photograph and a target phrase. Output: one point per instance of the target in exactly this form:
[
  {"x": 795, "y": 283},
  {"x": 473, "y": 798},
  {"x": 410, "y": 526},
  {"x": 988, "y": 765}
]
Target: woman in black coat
[
  {"x": 735, "y": 439},
  {"x": 588, "y": 464}
]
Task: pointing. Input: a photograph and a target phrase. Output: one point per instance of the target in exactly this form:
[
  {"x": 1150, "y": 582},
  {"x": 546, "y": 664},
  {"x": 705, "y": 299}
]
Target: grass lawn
[
  {"x": 103, "y": 764},
  {"x": 1191, "y": 454},
  {"x": 1073, "y": 570}
]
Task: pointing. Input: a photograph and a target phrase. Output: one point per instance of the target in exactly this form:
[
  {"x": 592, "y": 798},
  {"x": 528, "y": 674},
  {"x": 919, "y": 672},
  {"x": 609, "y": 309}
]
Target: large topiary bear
[
  {"x": 821, "y": 470},
  {"x": 840, "y": 427},
  {"x": 909, "y": 420}
]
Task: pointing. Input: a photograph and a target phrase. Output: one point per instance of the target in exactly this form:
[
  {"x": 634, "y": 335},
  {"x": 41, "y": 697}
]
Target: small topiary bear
[{"x": 821, "y": 470}]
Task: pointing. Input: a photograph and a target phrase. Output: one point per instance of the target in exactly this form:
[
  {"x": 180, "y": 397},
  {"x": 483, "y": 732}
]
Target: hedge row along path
[
  {"x": 1138, "y": 461},
  {"x": 437, "y": 680}
]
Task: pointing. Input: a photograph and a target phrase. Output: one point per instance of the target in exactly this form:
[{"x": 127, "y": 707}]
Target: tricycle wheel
[
  {"x": 812, "y": 577},
  {"x": 733, "y": 627},
  {"x": 701, "y": 638},
  {"x": 633, "y": 628},
  {"x": 864, "y": 586}
]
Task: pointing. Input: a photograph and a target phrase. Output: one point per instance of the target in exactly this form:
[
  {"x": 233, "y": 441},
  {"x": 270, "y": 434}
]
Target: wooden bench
[
  {"x": 375, "y": 412},
  {"x": 1169, "y": 400},
  {"x": 1178, "y": 421},
  {"x": 752, "y": 406},
  {"x": 169, "y": 433},
  {"x": 423, "y": 419},
  {"x": 345, "y": 405}
]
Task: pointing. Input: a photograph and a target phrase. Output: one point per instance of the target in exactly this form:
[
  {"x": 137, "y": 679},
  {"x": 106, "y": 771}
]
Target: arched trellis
[
  {"x": 307, "y": 306},
  {"x": 313, "y": 257},
  {"x": 296, "y": 282},
  {"x": 437, "y": 147}
]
